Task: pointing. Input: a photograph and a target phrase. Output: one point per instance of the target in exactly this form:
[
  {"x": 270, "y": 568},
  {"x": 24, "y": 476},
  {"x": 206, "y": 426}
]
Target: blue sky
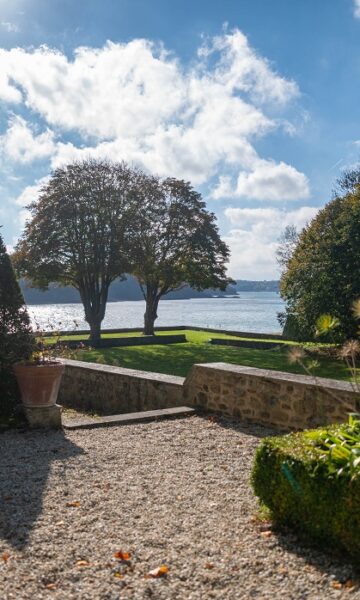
[{"x": 256, "y": 102}]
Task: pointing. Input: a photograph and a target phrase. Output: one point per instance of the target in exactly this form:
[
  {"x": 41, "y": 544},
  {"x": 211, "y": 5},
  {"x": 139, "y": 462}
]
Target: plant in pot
[{"x": 39, "y": 377}]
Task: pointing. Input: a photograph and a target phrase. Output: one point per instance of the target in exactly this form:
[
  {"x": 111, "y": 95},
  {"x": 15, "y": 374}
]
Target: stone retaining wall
[
  {"x": 257, "y": 345},
  {"x": 114, "y": 390},
  {"x": 271, "y": 398},
  {"x": 146, "y": 340}
]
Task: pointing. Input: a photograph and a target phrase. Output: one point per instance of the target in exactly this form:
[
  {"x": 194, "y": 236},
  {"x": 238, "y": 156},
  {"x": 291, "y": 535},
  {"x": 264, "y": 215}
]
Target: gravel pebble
[{"x": 172, "y": 493}]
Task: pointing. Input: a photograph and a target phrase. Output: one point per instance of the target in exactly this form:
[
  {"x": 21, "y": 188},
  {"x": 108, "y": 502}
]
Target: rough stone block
[{"x": 44, "y": 417}]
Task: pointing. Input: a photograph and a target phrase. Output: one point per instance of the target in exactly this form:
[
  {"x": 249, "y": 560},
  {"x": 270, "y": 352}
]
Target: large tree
[
  {"x": 78, "y": 233},
  {"x": 16, "y": 338},
  {"x": 322, "y": 274},
  {"x": 176, "y": 242}
]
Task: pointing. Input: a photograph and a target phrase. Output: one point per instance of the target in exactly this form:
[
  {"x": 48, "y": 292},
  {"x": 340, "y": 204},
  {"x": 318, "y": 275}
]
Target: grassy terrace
[{"x": 177, "y": 359}]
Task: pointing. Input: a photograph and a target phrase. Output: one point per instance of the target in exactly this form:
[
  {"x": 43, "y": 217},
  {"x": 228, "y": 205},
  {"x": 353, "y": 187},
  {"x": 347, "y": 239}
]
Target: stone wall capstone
[
  {"x": 114, "y": 390},
  {"x": 271, "y": 398}
]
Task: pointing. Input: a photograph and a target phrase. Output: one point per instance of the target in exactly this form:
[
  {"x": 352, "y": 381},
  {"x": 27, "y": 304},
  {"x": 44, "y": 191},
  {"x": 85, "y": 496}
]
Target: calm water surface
[{"x": 252, "y": 311}]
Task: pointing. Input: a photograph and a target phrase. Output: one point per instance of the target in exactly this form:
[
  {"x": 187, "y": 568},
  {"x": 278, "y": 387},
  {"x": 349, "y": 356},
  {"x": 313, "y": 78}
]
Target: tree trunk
[
  {"x": 150, "y": 316},
  {"x": 94, "y": 299},
  {"x": 95, "y": 331}
]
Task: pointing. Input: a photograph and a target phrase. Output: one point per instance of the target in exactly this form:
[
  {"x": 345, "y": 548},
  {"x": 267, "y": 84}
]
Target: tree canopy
[
  {"x": 322, "y": 273},
  {"x": 79, "y": 231},
  {"x": 176, "y": 241},
  {"x": 16, "y": 338}
]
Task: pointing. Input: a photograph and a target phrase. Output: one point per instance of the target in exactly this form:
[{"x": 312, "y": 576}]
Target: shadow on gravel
[
  {"x": 228, "y": 423},
  {"x": 25, "y": 462},
  {"x": 340, "y": 567}
]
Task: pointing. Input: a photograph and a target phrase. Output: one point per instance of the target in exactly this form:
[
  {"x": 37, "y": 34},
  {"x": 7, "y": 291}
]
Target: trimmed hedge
[{"x": 291, "y": 476}]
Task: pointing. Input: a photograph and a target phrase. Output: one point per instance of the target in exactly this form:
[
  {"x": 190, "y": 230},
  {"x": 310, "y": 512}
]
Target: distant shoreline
[{"x": 129, "y": 290}]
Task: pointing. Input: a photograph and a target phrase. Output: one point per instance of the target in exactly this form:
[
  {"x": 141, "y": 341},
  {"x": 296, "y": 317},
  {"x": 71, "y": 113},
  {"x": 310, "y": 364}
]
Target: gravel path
[{"x": 171, "y": 493}]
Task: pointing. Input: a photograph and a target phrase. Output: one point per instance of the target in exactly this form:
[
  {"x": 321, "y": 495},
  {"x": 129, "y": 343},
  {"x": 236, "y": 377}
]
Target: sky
[{"x": 255, "y": 102}]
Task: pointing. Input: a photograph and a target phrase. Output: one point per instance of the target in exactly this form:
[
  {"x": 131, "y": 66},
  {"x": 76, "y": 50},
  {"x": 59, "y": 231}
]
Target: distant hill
[
  {"x": 129, "y": 290},
  {"x": 244, "y": 285}
]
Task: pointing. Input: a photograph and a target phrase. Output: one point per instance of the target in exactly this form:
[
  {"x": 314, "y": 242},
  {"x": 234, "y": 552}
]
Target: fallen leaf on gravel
[
  {"x": 209, "y": 565},
  {"x": 118, "y": 575},
  {"x": 336, "y": 585},
  {"x": 266, "y": 534},
  {"x": 159, "y": 572},
  {"x": 73, "y": 504},
  {"x": 5, "y": 556},
  {"x": 121, "y": 555},
  {"x": 213, "y": 420},
  {"x": 282, "y": 570},
  {"x": 51, "y": 586},
  {"x": 82, "y": 563}
]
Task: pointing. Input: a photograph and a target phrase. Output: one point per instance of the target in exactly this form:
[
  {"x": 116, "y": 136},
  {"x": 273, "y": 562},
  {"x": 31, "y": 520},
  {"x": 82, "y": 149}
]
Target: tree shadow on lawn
[{"x": 26, "y": 459}]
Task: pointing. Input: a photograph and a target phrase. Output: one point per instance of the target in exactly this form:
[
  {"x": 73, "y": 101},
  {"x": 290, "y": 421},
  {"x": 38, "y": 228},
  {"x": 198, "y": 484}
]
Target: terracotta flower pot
[{"x": 39, "y": 384}]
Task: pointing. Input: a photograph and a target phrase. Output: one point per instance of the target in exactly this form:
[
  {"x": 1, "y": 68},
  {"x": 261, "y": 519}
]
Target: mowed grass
[{"x": 177, "y": 359}]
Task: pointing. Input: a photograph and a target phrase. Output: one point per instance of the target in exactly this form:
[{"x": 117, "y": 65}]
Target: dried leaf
[
  {"x": 5, "y": 556},
  {"x": 159, "y": 572},
  {"x": 73, "y": 504},
  {"x": 209, "y": 565},
  {"x": 266, "y": 534},
  {"x": 82, "y": 563},
  {"x": 213, "y": 419},
  {"x": 336, "y": 585},
  {"x": 118, "y": 575},
  {"x": 51, "y": 586},
  {"x": 121, "y": 555}
]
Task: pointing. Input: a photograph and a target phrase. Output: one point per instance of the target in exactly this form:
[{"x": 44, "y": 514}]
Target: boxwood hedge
[{"x": 306, "y": 482}]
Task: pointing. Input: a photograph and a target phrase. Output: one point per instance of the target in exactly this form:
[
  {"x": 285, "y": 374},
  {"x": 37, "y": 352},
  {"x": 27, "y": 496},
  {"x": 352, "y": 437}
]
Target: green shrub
[
  {"x": 16, "y": 339},
  {"x": 311, "y": 482}
]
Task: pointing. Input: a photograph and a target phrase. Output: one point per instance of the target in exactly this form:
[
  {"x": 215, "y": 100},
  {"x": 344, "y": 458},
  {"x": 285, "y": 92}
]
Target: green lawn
[{"x": 177, "y": 359}]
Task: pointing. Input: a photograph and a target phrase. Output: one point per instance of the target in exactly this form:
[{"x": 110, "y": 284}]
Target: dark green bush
[
  {"x": 300, "y": 479},
  {"x": 16, "y": 338}
]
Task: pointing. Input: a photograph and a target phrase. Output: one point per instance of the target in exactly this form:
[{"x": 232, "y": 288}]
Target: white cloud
[
  {"x": 20, "y": 144},
  {"x": 254, "y": 239},
  {"x": 10, "y": 27},
  {"x": 251, "y": 256},
  {"x": 31, "y": 192},
  {"x": 357, "y": 8},
  {"x": 134, "y": 101},
  {"x": 266, "y": 181}
]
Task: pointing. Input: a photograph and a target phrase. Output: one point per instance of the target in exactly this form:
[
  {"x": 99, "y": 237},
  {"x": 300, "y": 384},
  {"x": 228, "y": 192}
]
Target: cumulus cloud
[
  {"x": 357, "y": 8},
  {"x": 135, "y": 101},
  {"x": 21, "y": 144},
  {"x": 253, "y": 239},
  {"x": 31, "y": 192},
  {"x": 267, "y": 180}
]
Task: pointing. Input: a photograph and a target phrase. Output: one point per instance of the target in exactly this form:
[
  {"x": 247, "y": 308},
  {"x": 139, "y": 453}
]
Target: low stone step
[{"x": 128, "y": 418}]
